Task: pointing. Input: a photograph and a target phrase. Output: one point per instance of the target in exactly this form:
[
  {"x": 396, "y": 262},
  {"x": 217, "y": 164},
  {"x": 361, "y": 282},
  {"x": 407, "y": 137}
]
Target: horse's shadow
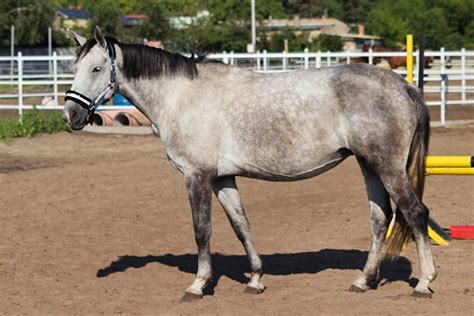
[{"x": 234, "y": 266}]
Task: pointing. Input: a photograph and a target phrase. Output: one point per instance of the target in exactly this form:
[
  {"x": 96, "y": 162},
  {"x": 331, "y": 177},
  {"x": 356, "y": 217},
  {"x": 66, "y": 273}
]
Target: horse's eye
[{"x": 97, "y": 69}]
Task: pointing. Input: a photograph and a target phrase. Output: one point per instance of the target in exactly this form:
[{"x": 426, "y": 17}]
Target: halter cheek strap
[{"x": 91, "y": 105}]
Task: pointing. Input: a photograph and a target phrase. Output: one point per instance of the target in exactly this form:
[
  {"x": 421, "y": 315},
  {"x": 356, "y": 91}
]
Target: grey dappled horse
[{"x": 218, "y": 122}]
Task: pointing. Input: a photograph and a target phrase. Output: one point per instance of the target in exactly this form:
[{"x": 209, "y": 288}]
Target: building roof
[
  {"x": 132, "y": 19},
  {"x": 359, "y": 36},
  {"x": 302, "y": 24},
  {"x": 73, "y": 14}
]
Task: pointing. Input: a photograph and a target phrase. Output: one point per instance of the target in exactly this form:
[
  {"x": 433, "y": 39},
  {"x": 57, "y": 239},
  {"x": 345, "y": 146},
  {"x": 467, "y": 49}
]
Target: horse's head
[
  {"x": 94, "y": 79},
  {"x": 428, "y": 62}
]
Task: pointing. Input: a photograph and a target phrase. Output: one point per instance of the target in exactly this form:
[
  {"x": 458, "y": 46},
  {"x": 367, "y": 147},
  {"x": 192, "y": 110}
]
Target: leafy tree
[
  {"x": 180, "y": 7},
  {"x": 312, "y": 8},
  {"x": 356, "y": 11},
  {"x": 227, "y": 27},
  {"x": 204, "y": 36},
  {"x": 393, "y": 20},
  {"x": 391, "y": 28},
  {"x": 227, "y": 10},
  {"x": 104, "y": 14},
  {"x": 469, "y": 35},
  {"x": 296, "y": 42},
  {"x": 31, "y": 19},
  {"x": 156, "y": 26},
  {"x": 458, "y": 13},
  {"x": 326, "y": 42}
]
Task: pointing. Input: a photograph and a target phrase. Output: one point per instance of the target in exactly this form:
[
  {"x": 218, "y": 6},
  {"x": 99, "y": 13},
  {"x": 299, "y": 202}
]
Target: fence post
[
  {"x": 55, "y": 78},
  {"x": 284, "y": 61},
  {"x": 306, "y": 58},
  {"x": 318, "y": 59},
  {"x": 421, "y": 63},
  {"x": 232, "y": 61},
  {"x": 265, "y": 61},
  {"x": 329, "y": 58},
  {"x": 20, "y": 86},
  {"x": 443, "y": 89},
  {"x": 444, "y": 80},
  {"x": 416, "y": 62},
  {"x": 371, "y": 57},
  {"x": 348, "y": 59},
  {"x": 258, "y": 60},
  {"x": 225, "y": 59},
  {"x": 463, "y": 75}
]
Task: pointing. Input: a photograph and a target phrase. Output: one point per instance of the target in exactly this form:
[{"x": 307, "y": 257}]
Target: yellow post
[{"x": 410, "y": 58}]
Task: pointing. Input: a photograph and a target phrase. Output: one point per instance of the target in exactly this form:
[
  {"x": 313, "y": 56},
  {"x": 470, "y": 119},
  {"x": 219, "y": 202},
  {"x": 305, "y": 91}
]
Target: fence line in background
[{"x": 36, "y": 72}]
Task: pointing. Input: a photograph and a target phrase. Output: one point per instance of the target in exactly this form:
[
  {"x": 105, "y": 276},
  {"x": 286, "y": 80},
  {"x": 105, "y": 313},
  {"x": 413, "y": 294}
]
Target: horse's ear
[
  {"x": 99, "y": 37},
  {"x": 80, "y": 40}
]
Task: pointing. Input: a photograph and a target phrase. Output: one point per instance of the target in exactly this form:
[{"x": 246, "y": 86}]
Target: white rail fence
[{"x": 40, "y": 81}]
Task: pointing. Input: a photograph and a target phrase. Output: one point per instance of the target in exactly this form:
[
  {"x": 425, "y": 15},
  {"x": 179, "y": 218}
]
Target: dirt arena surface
[{"x": 100, "y": 224}]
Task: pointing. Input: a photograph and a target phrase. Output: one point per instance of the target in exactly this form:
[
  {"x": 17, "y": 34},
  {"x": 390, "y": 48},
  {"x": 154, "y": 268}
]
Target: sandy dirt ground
[{"x": 100, "y": 224}]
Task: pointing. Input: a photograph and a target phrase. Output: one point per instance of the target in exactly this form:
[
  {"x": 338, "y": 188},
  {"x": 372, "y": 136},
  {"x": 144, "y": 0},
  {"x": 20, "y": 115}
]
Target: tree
[
  {"x": 156, "y": 26},
  {"x": 356, "y": 11},
  {"x": 31, "y": 19},
  {"x": 175, "y": 8},
  {"x": 296, "y": 42},
  {"x": 469, "y": 36},
  {"x": 226, "y": 28},
  {"x": 391, "y": 28},
  {"x": 326, "y": 42},
  {"x": 312, "y": 8},
  {"x": 104, "y": 14}
]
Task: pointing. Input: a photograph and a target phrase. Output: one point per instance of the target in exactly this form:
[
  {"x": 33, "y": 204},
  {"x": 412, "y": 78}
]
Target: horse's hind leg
[
  {"x": 416, "y": 215},
  {"x": 380, "y": 213},
  {"x": 200, "y": 195},
  {"x": 229, "y": 197}
]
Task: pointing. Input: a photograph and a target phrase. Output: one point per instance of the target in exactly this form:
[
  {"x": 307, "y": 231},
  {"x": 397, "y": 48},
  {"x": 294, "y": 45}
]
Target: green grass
[{"x": 33, "y": 122}]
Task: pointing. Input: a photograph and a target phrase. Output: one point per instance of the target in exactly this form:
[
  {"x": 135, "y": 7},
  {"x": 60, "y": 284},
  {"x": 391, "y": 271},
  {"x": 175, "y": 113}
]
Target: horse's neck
[
  {"x": 149, "y": 95},
  {"x": 156, "y": 97}
]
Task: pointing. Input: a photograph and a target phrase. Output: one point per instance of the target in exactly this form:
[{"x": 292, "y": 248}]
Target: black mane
[{"x": 141, "y": 61}]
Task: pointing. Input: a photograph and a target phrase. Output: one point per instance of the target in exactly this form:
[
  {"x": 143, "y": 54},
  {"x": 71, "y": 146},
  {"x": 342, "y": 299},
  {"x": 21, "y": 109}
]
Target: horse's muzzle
[{"x": 74, "y": 116}]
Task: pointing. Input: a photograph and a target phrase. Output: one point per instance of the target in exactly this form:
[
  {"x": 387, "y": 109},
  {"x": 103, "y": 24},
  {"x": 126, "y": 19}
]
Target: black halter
[{"x": 91, "y": 105}]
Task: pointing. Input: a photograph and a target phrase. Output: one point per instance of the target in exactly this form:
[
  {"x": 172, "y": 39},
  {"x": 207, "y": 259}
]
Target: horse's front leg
[{"x": 200, "y": 194}]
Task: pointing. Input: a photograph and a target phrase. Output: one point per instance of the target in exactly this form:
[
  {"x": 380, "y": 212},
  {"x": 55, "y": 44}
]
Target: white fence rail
[{"x": 40, "y": 81}]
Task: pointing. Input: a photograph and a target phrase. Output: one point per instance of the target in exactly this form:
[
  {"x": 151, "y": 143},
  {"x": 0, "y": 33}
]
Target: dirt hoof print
[
  {"x": 252, "y": 290},
  {"x": 356, "y": 289},
  {"x": 421, "y": 294},
  {"x": 190, "y": 297}
]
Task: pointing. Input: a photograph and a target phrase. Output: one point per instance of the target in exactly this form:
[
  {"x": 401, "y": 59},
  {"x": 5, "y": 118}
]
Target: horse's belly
[{"x": 272, "y": 170}]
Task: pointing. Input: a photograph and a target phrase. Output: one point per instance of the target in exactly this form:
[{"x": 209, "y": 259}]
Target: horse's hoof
[
  {"x": 253, "y": 290},
  {"x": 422, "y": 294},
  {"x": 356, "y": 289},
  {"x": 190, "y": 297}
]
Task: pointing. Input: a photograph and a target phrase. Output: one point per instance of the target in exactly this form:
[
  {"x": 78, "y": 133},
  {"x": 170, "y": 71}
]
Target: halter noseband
[{"x": 91, "y": 105}]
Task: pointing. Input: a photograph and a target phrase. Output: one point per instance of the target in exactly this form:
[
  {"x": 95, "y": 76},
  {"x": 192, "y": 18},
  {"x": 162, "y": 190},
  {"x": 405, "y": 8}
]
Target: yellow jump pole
[
  {"x": 410, "y": 58},
  {"x": 449, "y": 162},
  {"x": 450, "y": 171}
]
